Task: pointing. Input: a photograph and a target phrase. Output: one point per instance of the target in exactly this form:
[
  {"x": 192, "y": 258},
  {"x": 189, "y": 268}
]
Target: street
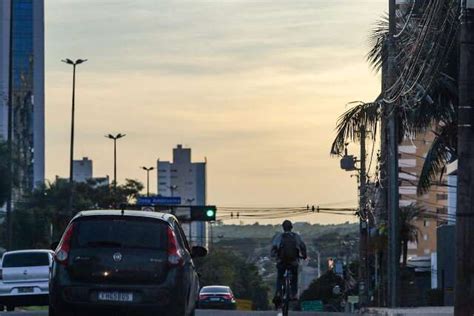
[{"x": 198, "y": 313}]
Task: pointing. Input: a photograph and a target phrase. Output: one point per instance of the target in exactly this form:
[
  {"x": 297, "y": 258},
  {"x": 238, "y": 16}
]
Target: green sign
[{"x": 312, "y": 306}]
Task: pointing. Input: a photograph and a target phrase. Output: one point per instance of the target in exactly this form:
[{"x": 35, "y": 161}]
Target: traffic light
[{"x": 203, "y": 213}]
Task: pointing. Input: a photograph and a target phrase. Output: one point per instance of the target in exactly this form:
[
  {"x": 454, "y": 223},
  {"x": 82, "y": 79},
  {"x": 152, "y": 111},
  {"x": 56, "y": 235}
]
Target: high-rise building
[
  {"x": 185, "y": 179},
  {"x": 83, "y": 170},
  {"x": 412, "y": 152},
  {"x": 22, "y": 82}
]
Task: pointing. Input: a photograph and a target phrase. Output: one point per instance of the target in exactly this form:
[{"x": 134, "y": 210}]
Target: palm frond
[
  {"x": 378, "y": 52},
  {"x": 442, "y": 151},
  {"x": 349, "y": 124}
]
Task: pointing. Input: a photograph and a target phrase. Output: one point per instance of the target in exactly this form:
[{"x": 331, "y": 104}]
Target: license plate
[
  {"x": 26, "y": 290},
  {"x": 215, "y": 299},
  {"x": 115, "y": 297}
]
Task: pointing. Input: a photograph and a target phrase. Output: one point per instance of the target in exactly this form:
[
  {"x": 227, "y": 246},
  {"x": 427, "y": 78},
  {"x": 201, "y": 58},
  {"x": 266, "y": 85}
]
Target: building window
[
  {"x": 441, "y": 197},
  {"x": 162, "y": 170},
  {"x": 174, "y": 170},
  {"x": 425, "y": 237},
  {"x": 163, "y": 183},
  {"x": 427, "y": 251},
  {"x": 426, "y": 223},
  {"x": 443, "y": 210}
]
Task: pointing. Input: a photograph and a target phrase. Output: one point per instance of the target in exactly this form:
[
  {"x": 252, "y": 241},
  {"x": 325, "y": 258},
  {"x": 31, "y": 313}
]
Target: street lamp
[
  {"x": 148, "y": 179},
  {"x": 172, "y": 189},
  {"x": 114, "y": 138},
  {"x": 71, "y": 154}
]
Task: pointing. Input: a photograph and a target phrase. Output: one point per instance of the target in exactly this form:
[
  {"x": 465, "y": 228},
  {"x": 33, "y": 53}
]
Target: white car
[{"x": 25, "y": 278}]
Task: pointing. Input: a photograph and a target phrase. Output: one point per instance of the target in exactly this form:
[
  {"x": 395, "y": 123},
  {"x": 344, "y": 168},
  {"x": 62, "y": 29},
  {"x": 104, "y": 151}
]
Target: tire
[{"x": 10, "y": 308}]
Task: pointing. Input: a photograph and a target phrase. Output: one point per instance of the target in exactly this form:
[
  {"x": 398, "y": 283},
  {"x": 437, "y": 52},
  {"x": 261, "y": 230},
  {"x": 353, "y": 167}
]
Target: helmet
[{"x": 287, "y": 226}]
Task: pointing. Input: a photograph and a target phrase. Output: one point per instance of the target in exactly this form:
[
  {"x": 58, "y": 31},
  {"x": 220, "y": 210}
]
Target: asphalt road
[{"x": 198, "y": 313}]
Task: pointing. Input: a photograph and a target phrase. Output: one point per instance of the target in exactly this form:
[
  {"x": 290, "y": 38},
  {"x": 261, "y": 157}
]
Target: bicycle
[{"x": 286, "y": 292}]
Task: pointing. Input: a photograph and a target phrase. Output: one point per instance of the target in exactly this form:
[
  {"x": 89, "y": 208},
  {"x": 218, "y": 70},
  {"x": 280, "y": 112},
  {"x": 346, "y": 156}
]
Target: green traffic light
[{"x": 210, "y": 213}]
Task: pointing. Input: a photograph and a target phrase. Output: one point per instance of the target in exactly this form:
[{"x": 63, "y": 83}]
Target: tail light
[
  {"x": 228, "y": 296},
  {"x": 62, "y": 252},
  {"x": 203, "y": 296},
  {"x": 174, "y": 255}
]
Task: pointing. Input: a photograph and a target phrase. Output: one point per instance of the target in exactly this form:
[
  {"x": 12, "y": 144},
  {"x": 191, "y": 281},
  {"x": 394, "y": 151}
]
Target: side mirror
[
  {"x": 198, "y": 252},
  {"x": 54, "y": 245}
]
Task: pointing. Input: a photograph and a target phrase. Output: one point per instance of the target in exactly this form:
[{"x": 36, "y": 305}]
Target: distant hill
[{"x": 266, "y": 232}]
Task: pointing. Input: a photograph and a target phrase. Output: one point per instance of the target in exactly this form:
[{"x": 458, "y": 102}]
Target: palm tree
[
  {"x": 408, "y": 230},
  {"x": 431, "y": 101}
]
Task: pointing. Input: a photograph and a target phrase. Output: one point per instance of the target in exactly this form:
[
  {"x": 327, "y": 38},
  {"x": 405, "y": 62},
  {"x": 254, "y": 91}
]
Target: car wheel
[{"x": 10, "y": 308}]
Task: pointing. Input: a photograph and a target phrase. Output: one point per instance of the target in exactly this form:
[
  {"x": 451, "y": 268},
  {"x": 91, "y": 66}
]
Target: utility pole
[
  {"x": 9, "y": 205},
  {"x": 464, "y": 289},
  {"x": 363, "y": 224},
  {"x": 392, "y": 160}
]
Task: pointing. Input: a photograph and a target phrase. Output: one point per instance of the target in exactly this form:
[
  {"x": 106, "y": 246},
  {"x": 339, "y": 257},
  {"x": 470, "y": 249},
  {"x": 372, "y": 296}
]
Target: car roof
[
  {"x": 224, "y": 287},
  {"x": 29, "y": 251},
  {"x": 127, "y": 213}
]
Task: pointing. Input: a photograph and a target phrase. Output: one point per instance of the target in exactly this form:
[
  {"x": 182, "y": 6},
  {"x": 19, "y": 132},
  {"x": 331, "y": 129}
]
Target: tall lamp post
[
  {"x": 114, "y": 138},
  {"x": 172, "y": 189},
  {"x": 148, "y": 179},
  {"x": 71, "y": 151}
]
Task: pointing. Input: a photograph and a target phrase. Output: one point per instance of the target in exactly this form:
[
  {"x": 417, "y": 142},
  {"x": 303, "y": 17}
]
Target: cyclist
[{"x": 287, "y": 248}]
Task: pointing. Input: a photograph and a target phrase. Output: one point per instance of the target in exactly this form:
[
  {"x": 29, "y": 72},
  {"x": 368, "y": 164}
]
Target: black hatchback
[{"x": 124, "y": 262}]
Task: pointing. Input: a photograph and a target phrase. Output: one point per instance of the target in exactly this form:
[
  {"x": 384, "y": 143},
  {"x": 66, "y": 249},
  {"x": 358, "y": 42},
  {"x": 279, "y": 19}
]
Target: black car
[
  {"x": 124, "y": 262},
  {"x": 217, "y": 297}
]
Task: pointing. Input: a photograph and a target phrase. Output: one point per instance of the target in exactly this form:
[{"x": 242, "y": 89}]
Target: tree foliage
[
  {"x": 41, "y": 216},
  {"x": 5, "y": 174},
  {"x": 222, "y": 267}
]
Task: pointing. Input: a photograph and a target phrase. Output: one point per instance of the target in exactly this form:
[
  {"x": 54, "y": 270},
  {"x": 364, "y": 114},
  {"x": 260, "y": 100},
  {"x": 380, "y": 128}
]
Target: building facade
[
  {"x": 22, "y": 82},
  {"x": 83, "y": 170},
  {"x": 186, "y": 179},
  {"x": 412, "y": 154}
]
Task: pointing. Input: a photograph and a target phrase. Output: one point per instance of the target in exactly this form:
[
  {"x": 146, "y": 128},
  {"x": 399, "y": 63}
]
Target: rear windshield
[
  {"x": 31, "y": 259},
  {"x": 215, "y": 289},
  {"x": 120, "y": 233}
]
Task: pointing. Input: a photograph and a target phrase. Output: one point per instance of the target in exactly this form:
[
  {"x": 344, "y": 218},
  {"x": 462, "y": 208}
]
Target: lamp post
[
  {"x": 114, "y": 138},
  {"x": 172, "y": 189},
  {"x": 71, "y": 150},
  {"x": 148, "y": 179}
]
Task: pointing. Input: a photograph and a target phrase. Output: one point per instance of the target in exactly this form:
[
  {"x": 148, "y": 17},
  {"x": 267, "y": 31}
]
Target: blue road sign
[{"x": 158, "y": 200}]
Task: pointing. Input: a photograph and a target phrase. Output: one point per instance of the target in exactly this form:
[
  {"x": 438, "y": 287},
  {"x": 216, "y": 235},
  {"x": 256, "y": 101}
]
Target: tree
[
  {"x": 41, "y": 216},
  {"x": 427, "y": 95},
  {"x": 5, "y": 174},
  {"x": 222, "y": 267},
  {"x": 408, "y": 230}
]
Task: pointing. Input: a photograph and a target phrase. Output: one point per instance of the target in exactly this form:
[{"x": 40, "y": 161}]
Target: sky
[{"x": 255, "y": 87}]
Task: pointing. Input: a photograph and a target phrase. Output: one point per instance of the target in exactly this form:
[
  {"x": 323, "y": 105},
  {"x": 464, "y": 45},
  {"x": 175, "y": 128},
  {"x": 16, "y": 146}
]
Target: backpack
[{"x": 288, "y": 251}]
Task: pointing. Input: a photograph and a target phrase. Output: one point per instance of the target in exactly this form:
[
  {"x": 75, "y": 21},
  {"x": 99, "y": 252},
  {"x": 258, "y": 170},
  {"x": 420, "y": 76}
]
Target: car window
[
  {"x": 31, "y": 259},
  {"x": 215, "y": 289},
  {"x": 121, "y": 233},
  {"x": 181, "y": 237}
]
